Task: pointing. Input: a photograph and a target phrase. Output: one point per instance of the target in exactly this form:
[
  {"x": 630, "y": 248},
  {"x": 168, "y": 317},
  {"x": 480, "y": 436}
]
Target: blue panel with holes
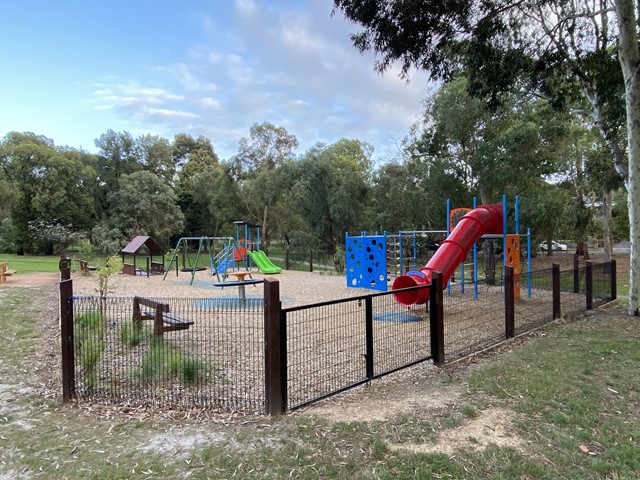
[{"x": 366, "y": 262}]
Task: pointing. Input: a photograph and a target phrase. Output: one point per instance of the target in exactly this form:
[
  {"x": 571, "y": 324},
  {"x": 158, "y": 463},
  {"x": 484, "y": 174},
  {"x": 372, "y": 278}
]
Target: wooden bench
[
  {"x": 85, "y": 267},
  {"x": 5, "y": 272},
  {"x": 163, "y": 319}
]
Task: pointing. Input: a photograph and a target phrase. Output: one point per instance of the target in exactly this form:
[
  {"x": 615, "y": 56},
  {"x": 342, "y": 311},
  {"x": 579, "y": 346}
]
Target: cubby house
[{"x": 142, "y": 256}]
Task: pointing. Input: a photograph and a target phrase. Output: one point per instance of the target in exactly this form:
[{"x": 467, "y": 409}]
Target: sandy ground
[{"x": 296, "y": 288}]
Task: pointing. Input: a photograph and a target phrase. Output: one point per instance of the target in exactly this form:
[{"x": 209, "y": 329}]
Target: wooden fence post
[
  {"x": 436, "y": 318},
  {"x": 275, "y": 350},
  {"x": 555, "y": 287},
  {"x": 509, "y": 303},
  {"x": 66, "y": 336},
  {"x": 369, "y": 337},
  {"x": 614, "y": 279},
  {"x": 589, "y": 285}
]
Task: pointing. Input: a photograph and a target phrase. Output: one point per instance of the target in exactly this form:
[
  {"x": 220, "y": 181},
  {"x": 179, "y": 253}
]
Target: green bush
[
  {"x": 89, "y": 344},
  {"x": 132, "y": 336},
  {"x": 164, "y": 362}
]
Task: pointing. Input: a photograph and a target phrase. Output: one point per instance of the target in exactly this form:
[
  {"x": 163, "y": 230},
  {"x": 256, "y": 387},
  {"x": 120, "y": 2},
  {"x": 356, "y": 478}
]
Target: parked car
[{"x": 555, "y": 246}]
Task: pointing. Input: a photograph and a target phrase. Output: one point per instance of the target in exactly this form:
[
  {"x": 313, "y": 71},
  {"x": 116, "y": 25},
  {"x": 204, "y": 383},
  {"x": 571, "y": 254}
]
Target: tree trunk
[
  {"x": 489, "y": 262},
  {"x": 607, "y": 213},
  {"x": 583, "y": 249},
  {"x": 629, "y": 57},
  {"x": 264, "y": 230}
]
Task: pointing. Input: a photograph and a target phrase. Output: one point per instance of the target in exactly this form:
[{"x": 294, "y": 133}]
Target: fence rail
[{"x": 257, "y": 357}]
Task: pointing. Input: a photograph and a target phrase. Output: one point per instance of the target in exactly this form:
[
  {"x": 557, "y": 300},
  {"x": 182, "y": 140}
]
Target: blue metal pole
[
  {"x": 517, "y": 206},
  {"x": 448, "y": 222},
  {"x": 399, "y": 254},
  {"x": 475, "y": 261},
  {"x": 415, "y": 251},
  {"x": 504, "y": 233}
]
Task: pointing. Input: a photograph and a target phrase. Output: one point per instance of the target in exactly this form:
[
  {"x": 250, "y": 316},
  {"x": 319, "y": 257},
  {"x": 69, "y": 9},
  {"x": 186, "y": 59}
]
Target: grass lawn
[
  {"x": 570, "y": 393},
  {"x": 31, "y": 263},
  {"x": 38, "y": 263}
]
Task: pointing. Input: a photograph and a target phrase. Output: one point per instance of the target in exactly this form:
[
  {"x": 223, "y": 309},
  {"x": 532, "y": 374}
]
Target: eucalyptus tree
[
  {"x": 413, "y": 195},
  {"x": 185, "y": 148},
  {"x": 155, "y": 155},
  {"x": 258, "y": 160},
  {"x": 143, "y": 205},
  {"x": 195, "y": 158},
  {"x": 215, "y": 202},
  {"x": 50, "y": 185},
  {"x": 331, "y": 189},
  {"x": 544, "y": 46}
]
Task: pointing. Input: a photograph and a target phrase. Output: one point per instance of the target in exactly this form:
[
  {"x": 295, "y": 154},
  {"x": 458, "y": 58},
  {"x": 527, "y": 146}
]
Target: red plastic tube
[{"x": 452, "y": 252}]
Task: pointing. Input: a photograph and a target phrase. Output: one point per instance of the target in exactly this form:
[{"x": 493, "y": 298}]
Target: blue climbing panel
[{"x": 366, "y": 262}]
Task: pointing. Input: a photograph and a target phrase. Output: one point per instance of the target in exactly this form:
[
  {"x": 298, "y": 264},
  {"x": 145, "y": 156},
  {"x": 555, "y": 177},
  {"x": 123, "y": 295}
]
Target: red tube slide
[{"x": 452, "y": 252}]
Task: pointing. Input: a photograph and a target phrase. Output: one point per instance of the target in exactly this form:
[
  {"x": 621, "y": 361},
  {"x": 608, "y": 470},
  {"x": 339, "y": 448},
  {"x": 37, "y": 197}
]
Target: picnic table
[{"x": 240, "y": 282}]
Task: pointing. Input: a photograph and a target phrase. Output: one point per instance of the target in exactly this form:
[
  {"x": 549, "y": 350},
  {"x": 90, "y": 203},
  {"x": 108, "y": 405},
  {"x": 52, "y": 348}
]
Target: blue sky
[{"x": 74, "y": 69}]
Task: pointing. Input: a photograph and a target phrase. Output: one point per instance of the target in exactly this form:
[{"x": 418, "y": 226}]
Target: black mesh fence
[
  {"x": 603, "y": 278},
  {"x": 401, "y": 335},
  {"x": 210, "y": 353},
  {"x": 213, "y": 359},
  {"x": 337, "y": 345},
  {"x": 534, "y": 305},
  {"x": 472, "y": 321}
]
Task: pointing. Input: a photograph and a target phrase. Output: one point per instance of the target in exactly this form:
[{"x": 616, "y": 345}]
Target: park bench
[
  {"x": 163, "y": 319},
  {"x": 85, "y": 267},
  {"x": 5, "y": 272}
]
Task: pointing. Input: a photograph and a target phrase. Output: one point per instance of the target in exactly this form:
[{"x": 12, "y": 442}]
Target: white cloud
[
  {"x": 294, "y": 67},
  {"x": 168, "y": 114}
]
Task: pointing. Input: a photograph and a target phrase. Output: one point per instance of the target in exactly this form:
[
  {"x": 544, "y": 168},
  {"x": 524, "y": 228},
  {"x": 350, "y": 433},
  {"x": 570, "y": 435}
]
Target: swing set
[{"x": 217, "y": 254}]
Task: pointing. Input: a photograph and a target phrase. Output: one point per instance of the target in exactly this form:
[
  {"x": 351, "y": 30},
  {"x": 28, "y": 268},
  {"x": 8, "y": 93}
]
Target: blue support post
[
  {"x": 475, "y": 261},
  {"x": 400, "y": 263},
  {"x": 504, "y": 233},
  {"x": 448, "y": 233},
  {"x": 517, "y": 214}
]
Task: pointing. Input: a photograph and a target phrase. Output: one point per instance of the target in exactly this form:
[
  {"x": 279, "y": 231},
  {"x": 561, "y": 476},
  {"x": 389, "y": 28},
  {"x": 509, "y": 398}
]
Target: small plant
[
  {"x": 133, "y": 335},
  {"x": 113, "y": 265},
  {"x": 85, "y": 249},
  {"x": 469, "y": 411},
  {"x": 163, "y": 362},
  {"x": 89, "y": 344}
]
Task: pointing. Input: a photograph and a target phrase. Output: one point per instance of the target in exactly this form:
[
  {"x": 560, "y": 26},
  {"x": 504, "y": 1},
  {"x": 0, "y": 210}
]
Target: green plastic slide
[{"x": 264, "y": 264}]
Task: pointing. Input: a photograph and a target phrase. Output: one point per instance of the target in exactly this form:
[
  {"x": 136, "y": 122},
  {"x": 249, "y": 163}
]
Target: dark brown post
[
  {"x": 589, "y": 285},
  {"x": 369, "y": 336},
  {"x": 158, "y": 320},
  {"x": 65, "y": 267},
  {"x": 66, "y": 334},
  {"x": 436, "y": 318},
  {"x": 311, "y": 260},
  {"x": 555, "y": 287},
  {"x": 576, "y": 273},
  {"x": 509, "y": 303},
  {"x": 614, "y": 279},
  {"x": 275, "y": 350}
]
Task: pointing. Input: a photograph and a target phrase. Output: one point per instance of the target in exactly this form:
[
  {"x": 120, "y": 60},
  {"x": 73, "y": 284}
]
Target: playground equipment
[
  {"x": 263, "y": 263},
  {"x": 366, "y": 267},
  {"x": 224, "y": 253},
  {"x": 192, "y": 258},
  {"x": 486, "y": 219}
]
